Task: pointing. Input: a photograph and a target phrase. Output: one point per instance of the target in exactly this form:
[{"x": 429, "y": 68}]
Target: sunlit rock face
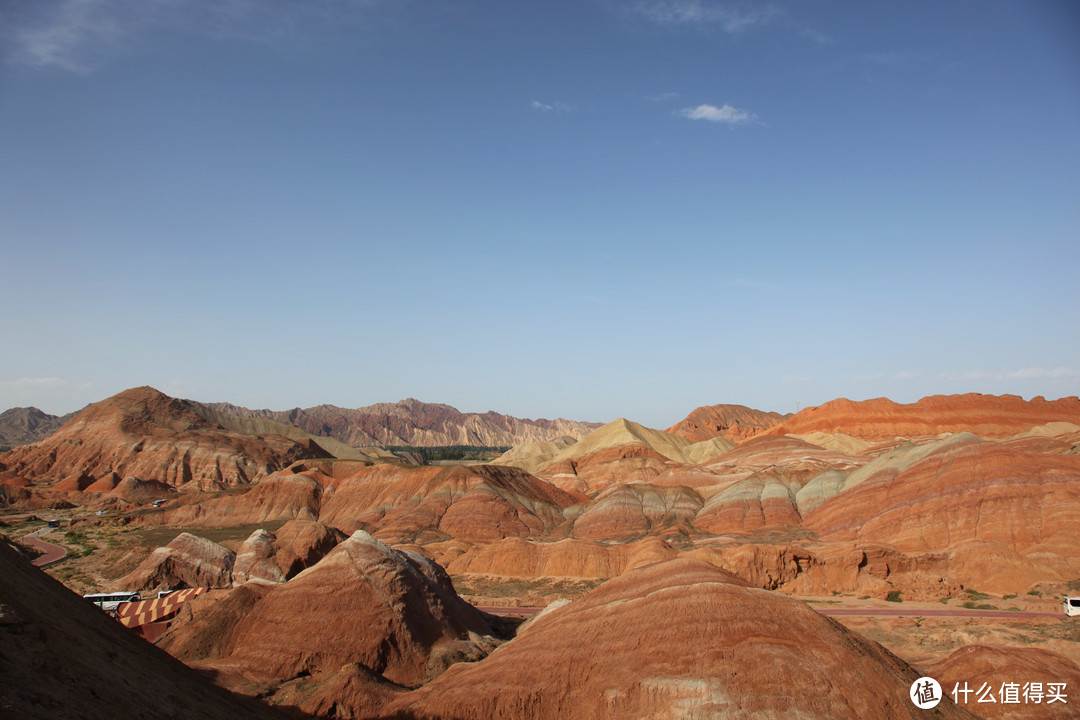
[{"x": 672, "y": 640}]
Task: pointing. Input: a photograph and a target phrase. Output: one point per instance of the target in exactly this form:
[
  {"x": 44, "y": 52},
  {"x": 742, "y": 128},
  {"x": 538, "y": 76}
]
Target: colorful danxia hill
[{"x": 681, "y": 573}]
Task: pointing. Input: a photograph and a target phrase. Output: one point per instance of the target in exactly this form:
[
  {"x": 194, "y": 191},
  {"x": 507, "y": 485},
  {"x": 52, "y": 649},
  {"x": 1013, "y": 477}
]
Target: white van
[
  {"x": 110, "y": 601},
  {"x": 1072, "y": 605}
]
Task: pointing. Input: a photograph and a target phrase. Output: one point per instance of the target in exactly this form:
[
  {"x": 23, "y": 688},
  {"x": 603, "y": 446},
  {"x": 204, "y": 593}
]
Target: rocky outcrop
[
  {"x": 255, "y": 559},
  {"x": 989, "y": 416},
  {"x": 302, "y": 543},
  {"x": 187, "y": 561},
  {"x": 144, "y": 434},
  {"x": 276, "y": 557},
  {"x": 734, "y": 422},
  {"x": 415, "y": 423},
  {"x": 394, "y": 613},
  {"x": 674, "y": 640}
]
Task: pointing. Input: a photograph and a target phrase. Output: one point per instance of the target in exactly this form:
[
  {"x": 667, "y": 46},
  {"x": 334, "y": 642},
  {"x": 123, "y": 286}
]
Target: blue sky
[{"x": 584, "y": 209}]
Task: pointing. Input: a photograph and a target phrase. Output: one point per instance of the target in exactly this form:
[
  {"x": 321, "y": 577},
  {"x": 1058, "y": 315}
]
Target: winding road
[{"x": 50, "y": 553}]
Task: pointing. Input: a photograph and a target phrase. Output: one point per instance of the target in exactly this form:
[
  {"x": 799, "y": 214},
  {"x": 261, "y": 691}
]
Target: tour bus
[
  {"x": 1072, "y": 605},
  {"x": 110, "y": 601}
]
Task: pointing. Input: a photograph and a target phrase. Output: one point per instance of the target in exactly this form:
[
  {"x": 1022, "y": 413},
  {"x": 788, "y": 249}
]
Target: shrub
[{"x": 893, "y": 596}]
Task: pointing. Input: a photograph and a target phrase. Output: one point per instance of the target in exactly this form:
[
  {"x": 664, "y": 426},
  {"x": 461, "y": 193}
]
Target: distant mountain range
[
  {"x": 23, "y": 425},
  {"x": 408, "y": 422},
  {"x": 415, "y": 423}
]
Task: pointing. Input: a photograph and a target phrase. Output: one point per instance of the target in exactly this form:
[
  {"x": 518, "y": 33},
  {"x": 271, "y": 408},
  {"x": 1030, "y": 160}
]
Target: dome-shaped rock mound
[
  {"x": 677, "y": 639},
  {"x": 395, "y": 613}
]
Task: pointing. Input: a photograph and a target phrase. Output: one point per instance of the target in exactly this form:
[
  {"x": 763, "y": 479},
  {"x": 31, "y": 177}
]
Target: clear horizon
[{"x": 586, "y": 210}]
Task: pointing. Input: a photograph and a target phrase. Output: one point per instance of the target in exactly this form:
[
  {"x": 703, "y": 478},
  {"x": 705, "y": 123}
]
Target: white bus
[
  {"x": 110, "y": 601},
  {"x": 1072, "y": 605}
]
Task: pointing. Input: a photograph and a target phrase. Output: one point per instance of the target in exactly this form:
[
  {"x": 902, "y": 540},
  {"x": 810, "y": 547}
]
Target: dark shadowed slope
[{"x": 61, "y": 657}]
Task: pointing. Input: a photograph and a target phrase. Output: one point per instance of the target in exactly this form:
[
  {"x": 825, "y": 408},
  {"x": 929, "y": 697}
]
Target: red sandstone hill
[
  {"x": 415, "y": 423},
  {"x": 480, "y": 503},
  {"x": 342, "y": 636},
  {"x": 734, "y": 422},
  {"x": 1006, "y": 515},
  {"x": 989, "y": 416},
  {"x": 146, "y": 434},
  {"x": 62, "y": 657},
  {"x": 673, "y": 640}
]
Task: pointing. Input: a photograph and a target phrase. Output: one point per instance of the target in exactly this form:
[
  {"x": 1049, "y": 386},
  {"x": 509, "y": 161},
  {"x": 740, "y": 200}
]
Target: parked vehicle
[
  {"x": 1072, "y": 605},
  {"x": 109, "y": 602}
]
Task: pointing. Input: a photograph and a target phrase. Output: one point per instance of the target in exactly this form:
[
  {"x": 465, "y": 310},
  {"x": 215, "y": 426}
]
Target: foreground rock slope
[{"x": 61, "y": 657}]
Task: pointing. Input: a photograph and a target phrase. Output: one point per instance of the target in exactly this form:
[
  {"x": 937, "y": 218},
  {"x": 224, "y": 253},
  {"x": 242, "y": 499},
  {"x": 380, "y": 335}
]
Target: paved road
[
  {"x": 934, "y": 612},
  {"x": 51, "y": 553},
  {"x": 849, "y": 612}
]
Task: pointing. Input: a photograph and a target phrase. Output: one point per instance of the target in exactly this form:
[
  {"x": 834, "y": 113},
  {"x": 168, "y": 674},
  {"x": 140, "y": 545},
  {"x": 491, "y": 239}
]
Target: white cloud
[
  {"x": 556, "y": 107},
  {"x": 724, "y": 114},
  {"x": 60, "y": 33},
  {"x": 733, "y": 19}
]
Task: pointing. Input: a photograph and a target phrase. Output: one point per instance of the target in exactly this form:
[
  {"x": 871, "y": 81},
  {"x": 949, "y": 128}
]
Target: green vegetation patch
[
  {"x": 160, "y": 536},
  {"x": 894, "y": 596},
  {"x": 470, "y": 453},
  {"x": 77, "y": 537},
  {"x": 981, "y": 606}
]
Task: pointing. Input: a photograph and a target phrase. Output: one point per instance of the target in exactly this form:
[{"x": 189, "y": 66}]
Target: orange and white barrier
[{"x": 137, "y": 614}]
